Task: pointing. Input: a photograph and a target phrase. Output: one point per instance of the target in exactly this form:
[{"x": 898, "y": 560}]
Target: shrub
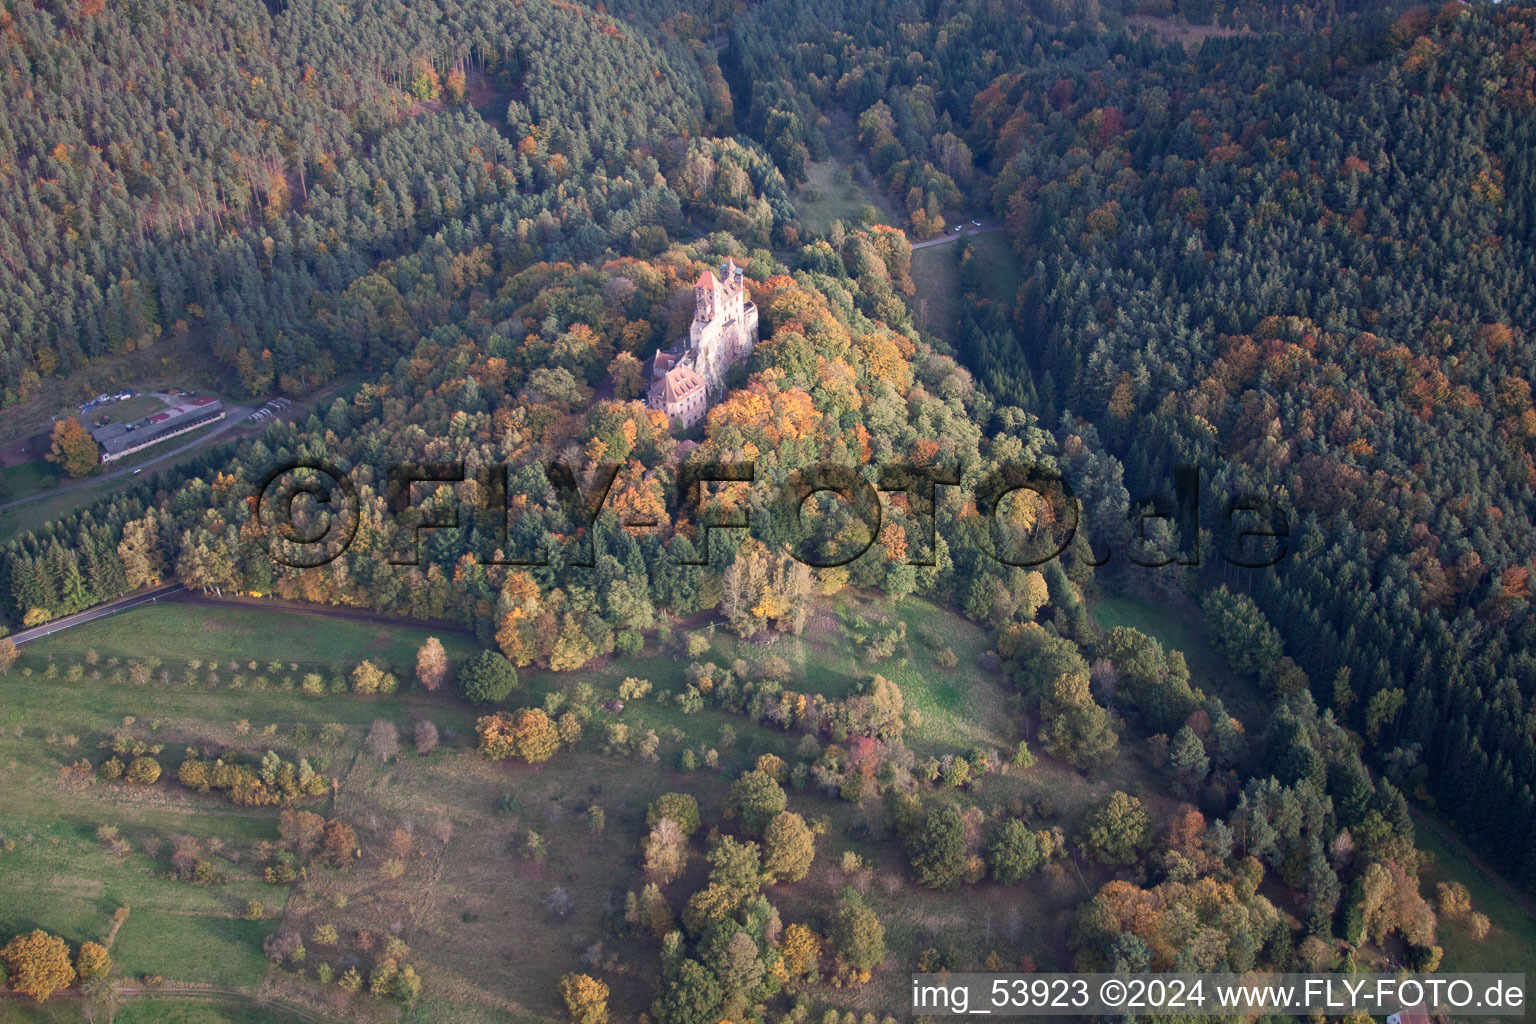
[
  {"x": 1454, "y": 899},
  {"x": 634, "y": 689},
  {"x": 38, "y": 964},
  {"x": 1013, "y": 853},
  {"x": 431, "y": 664},
  {"x": 93, "y": 961},
  {"x": 527, "y": 733},
  {"x": 426, "y": 737},
  {"x": 144, "y": 770},
  {"x": 383, "y": 739},
  {"x": 370, "y": 678}
]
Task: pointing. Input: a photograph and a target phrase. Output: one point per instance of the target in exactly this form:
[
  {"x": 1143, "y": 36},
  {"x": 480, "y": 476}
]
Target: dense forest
[
  {"x": 221, "y": 170},
  {"x": 1301, "y": 262},
  {"x": 1296, "y": 255}
]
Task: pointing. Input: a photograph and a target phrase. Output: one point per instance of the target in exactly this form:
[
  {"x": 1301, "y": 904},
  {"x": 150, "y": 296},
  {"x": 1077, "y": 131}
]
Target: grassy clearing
[
  {"x": 1510, "y": 945},
  {"x": 1179, "y": 627},
  {"x": 69, "y": 884},
  {"x": 36, "y": 514},
  {"x": 147, "y": 1010},
  {"x": 128, "y": 410},
  {"x": 936, "y": 275},
  {"x": 997, "y": 266},
  {"x": 470, "y": 903},
  {"x": 941, "y": 287},
  {"x": 958, "y": 708},
  {"x": 832, "y": 192},
  {"x": 195, "y": 1011},
  {"x": 63, "y": 879},
  {"x": 179, "y": 632},
  {"x": 29, "y": 478},
  {"x": 200, "y": 949}
]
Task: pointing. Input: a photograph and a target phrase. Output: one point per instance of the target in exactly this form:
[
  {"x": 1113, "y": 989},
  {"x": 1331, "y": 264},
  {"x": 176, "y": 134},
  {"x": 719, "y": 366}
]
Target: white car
[{"x": 976, "y": 222}]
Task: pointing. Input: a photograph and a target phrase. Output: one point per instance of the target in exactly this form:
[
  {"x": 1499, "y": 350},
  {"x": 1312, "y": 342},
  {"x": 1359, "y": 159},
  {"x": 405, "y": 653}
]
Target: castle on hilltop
[{"x": 687, "y": 376}]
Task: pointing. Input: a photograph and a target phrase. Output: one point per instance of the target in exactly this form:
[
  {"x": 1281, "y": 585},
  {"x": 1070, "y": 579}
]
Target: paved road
[
  {"x": 179, "y": 594},
  {"x": 234, "y": 416},
  {"x": 122, "y": 604},
  {"x": 954, "y": 236}
]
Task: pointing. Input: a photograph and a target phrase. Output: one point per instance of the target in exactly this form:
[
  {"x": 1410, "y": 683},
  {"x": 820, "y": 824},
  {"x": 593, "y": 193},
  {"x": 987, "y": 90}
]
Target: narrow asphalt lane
[
  {"x": 954, "y": 236},
  {"x": 234, "y": 416},
  {"x": 122, "y": 604}
]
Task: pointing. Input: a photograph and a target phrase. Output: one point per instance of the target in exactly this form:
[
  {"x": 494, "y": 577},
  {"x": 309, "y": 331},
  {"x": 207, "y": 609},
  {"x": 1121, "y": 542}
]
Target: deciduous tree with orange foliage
[
  {"x": 39, "y": 964},
  {"x": 527, "y": 733},
  {"x": 72, "y": 448}
]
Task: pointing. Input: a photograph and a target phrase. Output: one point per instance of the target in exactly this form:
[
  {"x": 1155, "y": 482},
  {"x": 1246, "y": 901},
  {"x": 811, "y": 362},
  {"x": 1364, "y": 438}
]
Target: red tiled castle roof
[{"x": 679, "y": 383}]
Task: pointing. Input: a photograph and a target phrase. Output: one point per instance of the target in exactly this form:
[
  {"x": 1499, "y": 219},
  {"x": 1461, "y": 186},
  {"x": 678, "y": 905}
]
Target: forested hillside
[
  {"x": 1297, "y": 253},
  {"x": 1303, "y": 262},
  {"x": 841, "y": 377},
  {"x": 220, "y": 169}
]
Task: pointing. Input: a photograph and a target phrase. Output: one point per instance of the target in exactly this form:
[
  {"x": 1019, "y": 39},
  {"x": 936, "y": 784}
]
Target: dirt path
[
  {"x": 212, "y": 993},
  {"x": 328, "y": 611}
]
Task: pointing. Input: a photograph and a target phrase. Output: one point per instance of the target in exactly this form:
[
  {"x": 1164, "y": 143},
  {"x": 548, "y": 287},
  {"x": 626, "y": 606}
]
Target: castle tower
[
  {"x": 706, "y": 297},
  {"x": 735, "y": 289}
]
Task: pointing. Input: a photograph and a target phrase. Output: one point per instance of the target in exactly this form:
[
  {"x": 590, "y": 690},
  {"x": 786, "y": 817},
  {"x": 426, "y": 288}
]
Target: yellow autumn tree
[
  {"x": 515, "y": 634},
  {"x": 801, "y": 950},
  {"x": 93, "y": 961},
  {"x": 39, "y": 964},
  {"x": 586, "y": 999}
]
